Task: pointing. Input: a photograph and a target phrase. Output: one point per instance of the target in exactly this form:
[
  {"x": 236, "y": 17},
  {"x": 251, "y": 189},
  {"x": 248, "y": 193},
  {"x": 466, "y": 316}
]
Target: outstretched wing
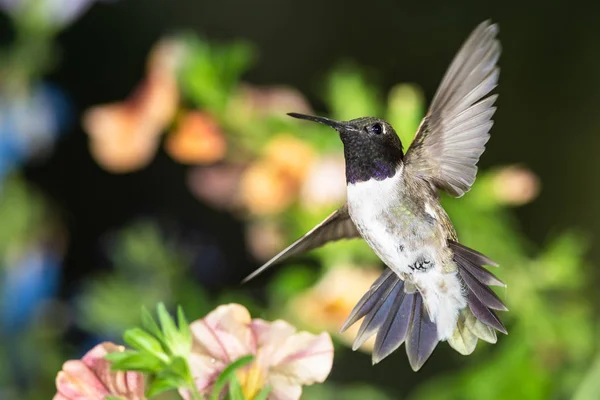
[
  {"x": 453, "y": 134},
  {"x": 335, "y": 227}
]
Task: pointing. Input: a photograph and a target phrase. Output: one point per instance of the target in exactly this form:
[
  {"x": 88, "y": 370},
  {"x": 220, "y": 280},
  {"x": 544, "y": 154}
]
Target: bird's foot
[{"x": 421, "y": 265}]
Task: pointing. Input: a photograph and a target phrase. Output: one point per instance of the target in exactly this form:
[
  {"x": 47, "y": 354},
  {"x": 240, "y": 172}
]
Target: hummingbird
[{"x": 434, "y": 288}]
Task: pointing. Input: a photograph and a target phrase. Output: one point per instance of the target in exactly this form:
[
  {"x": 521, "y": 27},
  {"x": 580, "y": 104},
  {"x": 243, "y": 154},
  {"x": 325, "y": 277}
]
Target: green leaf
[
  {"x": 180, "y": 367},
  {"x": 263, "y": 394},
  {"x": 134, "y": 361},
  {"x": 184, "y": 328},
  {"x": 160, "y": 385},
  {"x": 235, "y": 389},
  {"x": 227, "y": 373},
  {"x": 149, "y": 324},
  {"x": 114, "y": 398},
  {"x": 141, "y": 340},
  {"x": 168, "y": 325},
  {"x": 118, "y": 356},
  {"x": 210, "y": 73}
]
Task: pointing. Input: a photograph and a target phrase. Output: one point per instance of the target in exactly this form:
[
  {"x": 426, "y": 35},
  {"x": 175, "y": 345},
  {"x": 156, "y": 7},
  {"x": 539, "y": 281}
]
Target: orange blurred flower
[
  {"x": 124, "y": 136},
  {"x": 121, "y": 139},
  {"x": 197, "y": 140},
  {"x": 272, "y": 183},
  {"x": 515, "y": 185},
  {"x": 91, "y": 378},
  {"x": 327, "y": 305},
  {"x": 291, "y": 155},
  {"x": 266, "y": 189}
]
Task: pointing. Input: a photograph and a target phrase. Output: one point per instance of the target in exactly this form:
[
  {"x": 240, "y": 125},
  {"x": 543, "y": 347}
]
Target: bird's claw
[{"x": 420, "y": 265}]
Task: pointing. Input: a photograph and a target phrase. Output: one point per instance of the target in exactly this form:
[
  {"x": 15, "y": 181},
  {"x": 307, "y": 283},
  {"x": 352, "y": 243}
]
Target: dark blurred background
[{"x": 547, "y": 121}]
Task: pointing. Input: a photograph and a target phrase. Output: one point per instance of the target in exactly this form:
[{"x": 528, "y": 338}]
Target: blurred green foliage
[
  {"x": 149, "y": 269},
  {"x": 26, "y": 220},
  {"x": 211, "y": 72},
  {"x": 22, "y": 212}
]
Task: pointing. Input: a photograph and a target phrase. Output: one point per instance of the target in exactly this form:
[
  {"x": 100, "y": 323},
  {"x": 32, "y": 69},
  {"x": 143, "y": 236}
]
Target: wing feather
[
  {"x": 454, "y": 132},
  {"x": 336, "y": 226}
]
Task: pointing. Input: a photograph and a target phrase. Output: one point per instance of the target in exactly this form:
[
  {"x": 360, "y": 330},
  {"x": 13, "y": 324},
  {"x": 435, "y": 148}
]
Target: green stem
[{"x": 196, "y": 395}]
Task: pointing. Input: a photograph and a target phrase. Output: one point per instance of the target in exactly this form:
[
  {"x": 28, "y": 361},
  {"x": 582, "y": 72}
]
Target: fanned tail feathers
[
  {"x": 478, "y": 320},
  {"x": 394, "y": 310}
]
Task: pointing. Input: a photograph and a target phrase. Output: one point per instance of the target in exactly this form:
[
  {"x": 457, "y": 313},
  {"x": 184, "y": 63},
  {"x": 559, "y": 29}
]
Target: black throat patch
[{"x": 368, "y": 159}]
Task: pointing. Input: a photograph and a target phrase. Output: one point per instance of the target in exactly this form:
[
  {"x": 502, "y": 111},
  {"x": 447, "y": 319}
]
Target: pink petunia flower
[
  {"x": 91, "y": 378},
  {"x": 284, "y": 358}
]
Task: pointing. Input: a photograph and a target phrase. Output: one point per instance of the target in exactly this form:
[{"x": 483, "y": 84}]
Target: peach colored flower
[
  {"x": 266, "y": 189},
  {"x": 166, "y": 56},
  {"x": 124, "y": 136},
  {"x": 264, "y": 238},
  {"x": 217, "y": 185},
  {"x": 91, "y": 378},
  {"x": 328, "y": 304},
  {"x": 121, "y": 140},
  {"x": 198, "y": 139},
  {"x": 284, "y": 358},
  {"x": 325, "y": 184},
  {"x": 272, "y": 183},
  {"x": 291, "y": 155},
  {"x": 515, "y": 185},
  {"x": 263, "y": 101}
]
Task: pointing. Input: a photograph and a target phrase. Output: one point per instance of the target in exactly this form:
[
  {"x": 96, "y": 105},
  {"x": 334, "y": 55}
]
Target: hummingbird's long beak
[{"x": 322, "y": 120}]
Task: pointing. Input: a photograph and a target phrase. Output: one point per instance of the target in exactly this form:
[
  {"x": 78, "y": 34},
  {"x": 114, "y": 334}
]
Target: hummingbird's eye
[{"x": 376, "y": 129}]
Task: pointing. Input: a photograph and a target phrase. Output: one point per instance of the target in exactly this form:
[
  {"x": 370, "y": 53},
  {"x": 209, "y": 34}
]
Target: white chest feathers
[
  {"x": 368, "y": 204},
  {"x": 371, "y": 198}
]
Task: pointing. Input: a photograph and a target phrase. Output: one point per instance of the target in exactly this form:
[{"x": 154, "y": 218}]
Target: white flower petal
[
  {"x": 224, "y": 334},
  {"x": 308, "y": 360},
  {"x": 284, "y": 388},
  {"x": 292, "y": 359}
]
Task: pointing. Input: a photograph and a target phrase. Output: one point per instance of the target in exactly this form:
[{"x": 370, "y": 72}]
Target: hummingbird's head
[{"x": 372, "y": 148}]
